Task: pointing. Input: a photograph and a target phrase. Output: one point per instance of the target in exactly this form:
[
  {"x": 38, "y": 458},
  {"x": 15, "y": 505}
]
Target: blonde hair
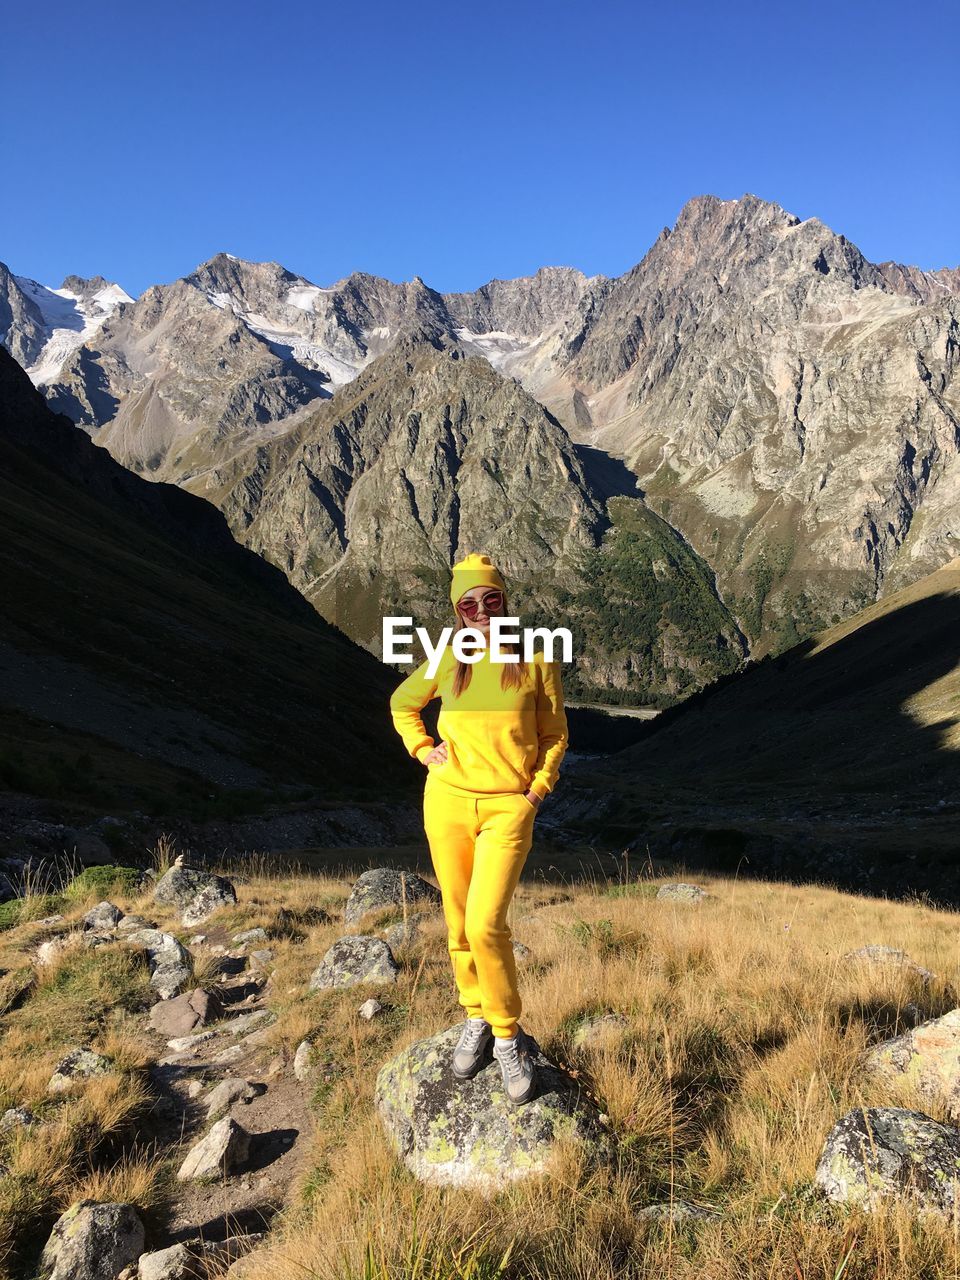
[{"x": 511, "y": 677}]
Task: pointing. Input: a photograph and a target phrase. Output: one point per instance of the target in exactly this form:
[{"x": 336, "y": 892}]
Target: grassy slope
[
  {"x": 744, "y": 1025},
  {"x": 143, "y": 589}
]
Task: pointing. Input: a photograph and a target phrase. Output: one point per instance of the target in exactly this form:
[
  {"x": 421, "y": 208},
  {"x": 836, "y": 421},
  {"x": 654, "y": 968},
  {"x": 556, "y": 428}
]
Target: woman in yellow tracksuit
[{"x": 504, "y": 733}]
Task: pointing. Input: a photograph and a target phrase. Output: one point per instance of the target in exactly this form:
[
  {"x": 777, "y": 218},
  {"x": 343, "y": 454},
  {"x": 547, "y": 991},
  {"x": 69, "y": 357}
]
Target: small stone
[
  {"x": 131, "y": 924},
  {"x": 48, "y": 952},
  {"x": 678, "y": 1211},
  {"x": 176, "y": 1263},
  {"x": 889, "y": 957},
  {"x": 16, "y": 1118},
  {"x": 250, "y": 935},
  {"x": 232, "y": 1053},
  {"x": 77, "y": 1066},
  {"x": 221, "y": 1098},
  {"x": 928, "y": 1057},
  {"x": 302, "y": 1060},
  {"x": 260, "y": 959},
  {"x": 599, "y": 1030},
  {"x": 184, "y": 1044},
  {"x": 370, "y": 1008},
  {"x": 196, "y": 894}
]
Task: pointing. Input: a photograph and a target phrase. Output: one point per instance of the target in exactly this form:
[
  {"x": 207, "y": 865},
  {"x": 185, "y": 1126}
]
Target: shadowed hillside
[
  {"x": 146, "y": 659},
  {"x": 839, "y": 759}
]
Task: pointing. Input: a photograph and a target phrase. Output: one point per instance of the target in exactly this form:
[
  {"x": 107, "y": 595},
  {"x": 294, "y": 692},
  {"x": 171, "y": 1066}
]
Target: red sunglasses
[{"x": 492, "y": 602}]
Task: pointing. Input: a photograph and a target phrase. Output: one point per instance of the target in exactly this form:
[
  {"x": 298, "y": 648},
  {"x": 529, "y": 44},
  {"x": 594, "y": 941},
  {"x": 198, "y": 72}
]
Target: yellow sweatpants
[{"x": 478, "y": 844}]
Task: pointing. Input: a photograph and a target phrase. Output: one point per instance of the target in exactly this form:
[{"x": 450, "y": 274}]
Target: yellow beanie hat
[{"x": 473, "y": 570}]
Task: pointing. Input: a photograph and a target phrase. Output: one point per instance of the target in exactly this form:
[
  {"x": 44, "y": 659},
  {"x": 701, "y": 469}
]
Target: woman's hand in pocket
[
  {"x": 532, "y": 799},
  {"x": 437, "y": 756}
]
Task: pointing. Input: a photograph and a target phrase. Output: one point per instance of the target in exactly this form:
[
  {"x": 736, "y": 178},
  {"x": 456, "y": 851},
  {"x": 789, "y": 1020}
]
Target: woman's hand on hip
[{"x": 437, "y": 756}]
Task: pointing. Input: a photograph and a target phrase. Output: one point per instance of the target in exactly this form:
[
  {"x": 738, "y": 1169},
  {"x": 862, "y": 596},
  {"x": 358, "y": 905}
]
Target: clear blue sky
[{"x": 460, "y": 142}]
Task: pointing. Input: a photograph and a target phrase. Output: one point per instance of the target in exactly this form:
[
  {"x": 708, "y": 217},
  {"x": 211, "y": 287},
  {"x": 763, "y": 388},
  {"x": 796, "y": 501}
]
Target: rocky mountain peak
[{"x": 82, "y": 286}]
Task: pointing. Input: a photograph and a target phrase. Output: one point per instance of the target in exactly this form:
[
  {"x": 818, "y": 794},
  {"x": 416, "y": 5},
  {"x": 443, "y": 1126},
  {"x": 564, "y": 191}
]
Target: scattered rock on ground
[
  {"x": 184, "y": 1013},
  {"x": 384, "y": 887},
  {"x": 92, "y": 1241},
  {"x": 678, "y": 1211},
  {"x": 218, "y": 1152},
  {"x": 16, "y": 1118},
  {"x": 354, "y": 959},
  {"x": 234, "y": 1089},
  {"x": 196, "y": 894},
  {"x": 370, "y": 1008},
  {"x": 170, "y": 963},
  {"x": 927, "y": 1057},
  {"x": 49, "y": 951},
  {"x": 681, "y": 893},
  {"x": 185, "y": 1044},
  {"x": 598, "y": 1030},
  {"x": 176, "y": 1263},
  {"x": 78, "y": 1065},
  {"x": 880, "y": 1152},
  {"x": 130, "y": 924},
  {"x": 891, "y": 957},
  {"x": 103, "y": 917},
  {"x": 249, "y": 935},
  {"x": 302, "y": 1059}
]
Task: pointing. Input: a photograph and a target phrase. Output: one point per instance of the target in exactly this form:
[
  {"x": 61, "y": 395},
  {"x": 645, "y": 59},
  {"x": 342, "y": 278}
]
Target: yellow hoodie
[{"x": 497, "y": 739}]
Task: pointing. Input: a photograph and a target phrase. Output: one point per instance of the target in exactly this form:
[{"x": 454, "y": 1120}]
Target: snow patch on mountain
[
  {"x": 496, "y": 345},
  {"x": 69, "y": 320},
  {"x": 303, "y": 296}
]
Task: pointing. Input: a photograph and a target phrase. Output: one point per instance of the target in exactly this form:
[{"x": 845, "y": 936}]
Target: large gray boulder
[
  {"x": 196, "y": 894},
  {"x": 386, "y": 887},
  {"x": 92, "y": 1241},
  {"x": 465, "y": 1132},
  {"x": 355, "y": 959},
  {"x": 877, "y": 1153},
  {"x": 927, "y": 1057}
]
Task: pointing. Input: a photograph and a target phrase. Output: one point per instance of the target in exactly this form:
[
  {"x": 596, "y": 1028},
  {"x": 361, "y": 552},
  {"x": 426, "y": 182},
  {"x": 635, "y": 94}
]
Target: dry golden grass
[{"x": 744, "y": 1026}]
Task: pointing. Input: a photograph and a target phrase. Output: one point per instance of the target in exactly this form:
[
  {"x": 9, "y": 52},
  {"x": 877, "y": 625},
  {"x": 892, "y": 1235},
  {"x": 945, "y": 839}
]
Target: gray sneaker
[
  {"x": 471, "y": 1048},
  {"x": 517, "y": 1067}
]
